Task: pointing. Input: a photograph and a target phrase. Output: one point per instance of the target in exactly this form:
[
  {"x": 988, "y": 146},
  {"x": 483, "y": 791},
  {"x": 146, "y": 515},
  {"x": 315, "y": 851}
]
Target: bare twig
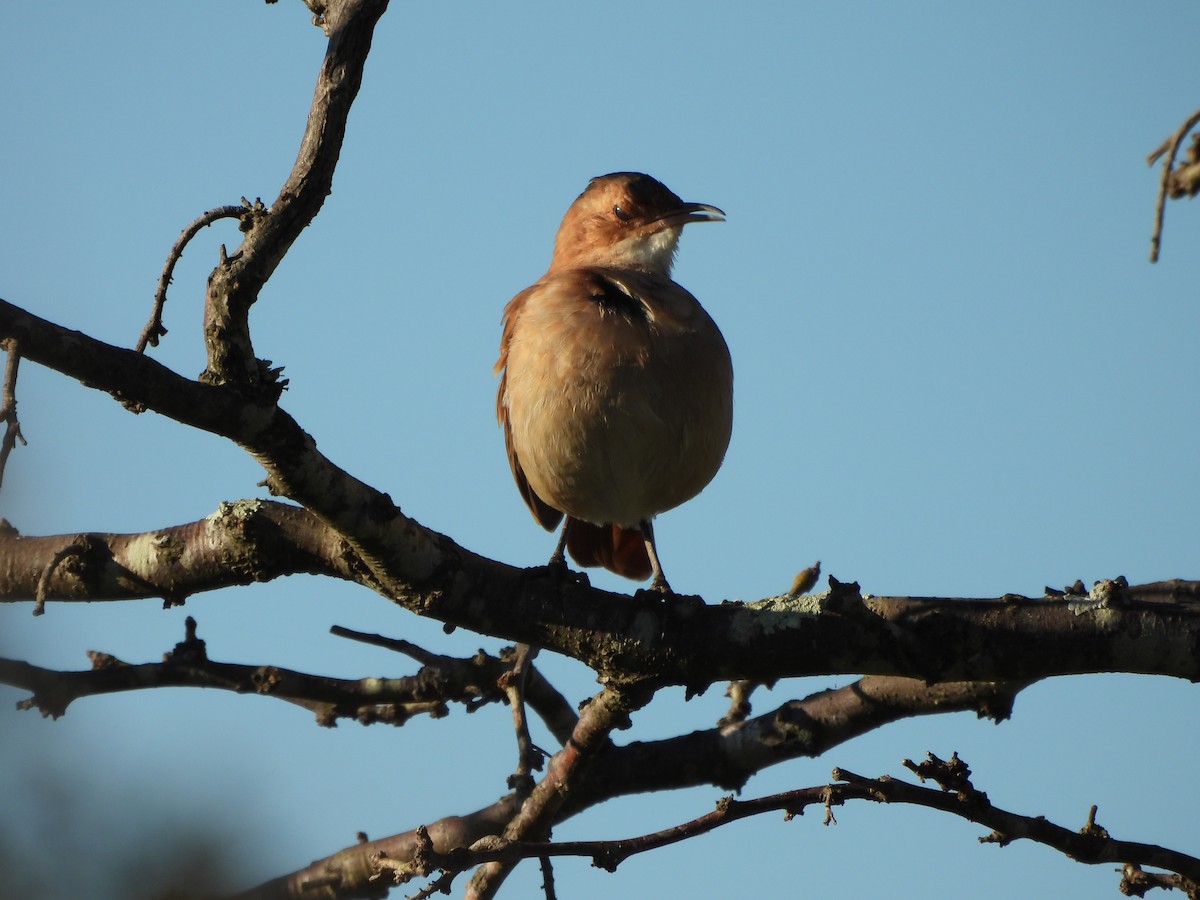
[
  {"x": 1091, "y": 845},
  {"x": 483, "y": 673},
  {"x": 154, "y": 328},
  {"x": 8, "y": 404},
  {"x": 399, "y": 645},
  {"x": 547, "y": 877},
  {"x": 951, "y": 774},
  {"x": 1169, "y": 149},
  {"x": 529, "y": 757},
  {"x": 390, "y": 700},
  {"x": 608, "y": 855}
]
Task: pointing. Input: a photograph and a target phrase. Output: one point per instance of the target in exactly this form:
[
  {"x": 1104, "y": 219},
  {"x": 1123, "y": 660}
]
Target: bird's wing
[{"x": 547, "y": 516}]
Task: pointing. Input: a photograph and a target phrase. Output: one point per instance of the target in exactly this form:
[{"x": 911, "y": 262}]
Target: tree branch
[
  {"x": 687, "y": 642},
  {"x": 551, "y": 706},
  {"x": 724, "y": 757},
  {"x": 367, "y": 700},
  {"x": 354, "y": 872},
  {"x": 680, "y": 642},
  {"x": 240, "y": 543},
  {"x": 608, "y": 855},
  {"x": 365, "y": 516},
  {"x": 294, "y": 467},
  {"x": 727, "y": 756},
  {"x": 606, "y": 711},
  {"x": 441, "y": 680},
  {"x": 1091, "y": 845},
  {"x": 235, "y": 283},
  {"x": 154, "y": 328}
]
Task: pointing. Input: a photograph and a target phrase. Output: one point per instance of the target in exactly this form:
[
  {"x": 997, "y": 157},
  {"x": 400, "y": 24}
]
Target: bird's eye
[{"x": 621, "y": 214}]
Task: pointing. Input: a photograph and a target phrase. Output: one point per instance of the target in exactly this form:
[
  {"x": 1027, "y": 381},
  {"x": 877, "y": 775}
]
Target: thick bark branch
[
  {"x": 366, "y": 517},
  {"x": 678, "y": 642},
  {"x": 353, "y": 872},
  {"x": 240, "y": 543},
  {"x": 727, "y": 756},
  {"x": 684, "y": 641}
]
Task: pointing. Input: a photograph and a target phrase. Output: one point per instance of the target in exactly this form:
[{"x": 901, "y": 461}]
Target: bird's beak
[{"x": 690, "y": 212}]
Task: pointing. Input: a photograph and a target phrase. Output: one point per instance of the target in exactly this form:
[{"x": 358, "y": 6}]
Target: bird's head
[{"x": 626, "y": 220}]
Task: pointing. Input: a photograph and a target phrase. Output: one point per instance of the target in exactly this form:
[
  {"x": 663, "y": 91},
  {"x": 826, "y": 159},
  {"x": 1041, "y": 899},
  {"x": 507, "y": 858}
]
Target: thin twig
[
  {"x": 547, "y": 877},
  {"x": 482, "y": 672},
  {"x": 529, "y": 757},
  {"x": 399, "y": 645},
  {"x": 8, "y": 405},
  {"x": 389, "y": 700},
  {"x": 1170, "y": 148},
  {"x": 154, "y": 328},
  {"x": 608, "y": 855},
  {"x": 1092, "y": 845}
]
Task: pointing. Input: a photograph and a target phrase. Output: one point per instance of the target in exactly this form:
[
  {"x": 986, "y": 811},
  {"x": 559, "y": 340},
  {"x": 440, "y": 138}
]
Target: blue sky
[{"x": 956, "y": 375}]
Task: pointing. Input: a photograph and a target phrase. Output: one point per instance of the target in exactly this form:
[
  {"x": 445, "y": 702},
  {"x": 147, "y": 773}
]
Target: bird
[{"x": 616, "y": 386}]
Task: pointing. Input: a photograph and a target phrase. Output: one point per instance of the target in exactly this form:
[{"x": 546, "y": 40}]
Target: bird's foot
[
  {"x": 558, "y": 570},
  {"x": 657, "y": 592},
  {"x": 668, "y": 599}
]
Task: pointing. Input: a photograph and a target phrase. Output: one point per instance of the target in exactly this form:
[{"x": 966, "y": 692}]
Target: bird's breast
[{"x": 618, "y": 390}]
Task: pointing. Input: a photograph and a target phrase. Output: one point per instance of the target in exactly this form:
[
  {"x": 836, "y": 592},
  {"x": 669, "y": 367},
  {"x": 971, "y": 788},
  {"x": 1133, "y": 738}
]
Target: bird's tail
[{"x": 620, "y": 550}]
